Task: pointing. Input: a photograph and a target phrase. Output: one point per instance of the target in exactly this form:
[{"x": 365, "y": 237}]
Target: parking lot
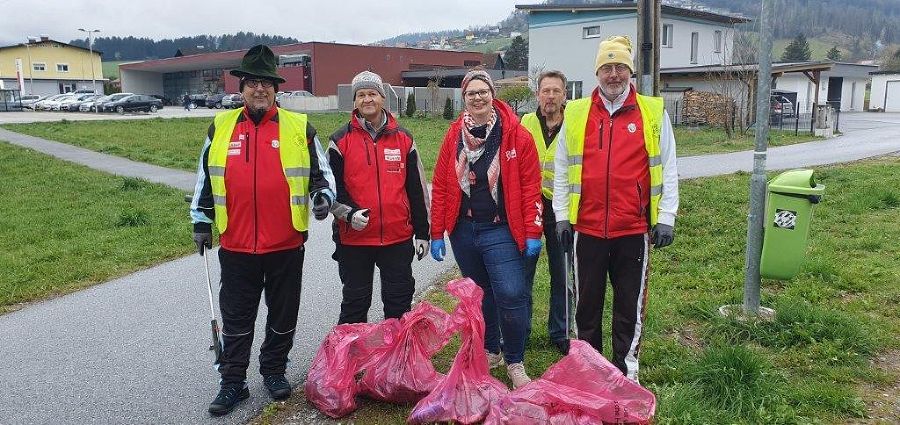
[{"x": 42, "y": 116}]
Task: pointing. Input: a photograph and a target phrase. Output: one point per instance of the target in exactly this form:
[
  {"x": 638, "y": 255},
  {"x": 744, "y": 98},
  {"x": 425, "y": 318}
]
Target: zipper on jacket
[
  {"x": 640, "y": 200},
  {"x": 247, "y": 148},
  {"x": 255, "y": 206},
  {"x": 608, "y": 161},
  {"x": 600, "y": 135},
  {"x": 378, "y": 185}
]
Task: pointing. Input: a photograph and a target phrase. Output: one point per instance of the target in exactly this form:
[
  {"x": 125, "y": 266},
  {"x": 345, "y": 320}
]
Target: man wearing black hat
[{"x": 259, "y": 169}]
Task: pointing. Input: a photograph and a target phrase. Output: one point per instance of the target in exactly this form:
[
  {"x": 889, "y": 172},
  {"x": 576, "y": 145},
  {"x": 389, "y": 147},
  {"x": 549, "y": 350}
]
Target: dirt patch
[{"x": 883, "y": 401}]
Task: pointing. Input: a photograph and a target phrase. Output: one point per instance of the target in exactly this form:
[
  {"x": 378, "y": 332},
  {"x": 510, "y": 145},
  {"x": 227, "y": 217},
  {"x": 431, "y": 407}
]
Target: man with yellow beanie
[{"x": 616, "y": 187}]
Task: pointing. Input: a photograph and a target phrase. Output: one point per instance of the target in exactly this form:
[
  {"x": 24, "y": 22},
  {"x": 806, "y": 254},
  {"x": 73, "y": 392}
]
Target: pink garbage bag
[
  {"x": 582, "y": 388},
  {"x": 331, "y": 382},
  {"x": 402, "y": 372},
  {"x": 466, "y": 394}
]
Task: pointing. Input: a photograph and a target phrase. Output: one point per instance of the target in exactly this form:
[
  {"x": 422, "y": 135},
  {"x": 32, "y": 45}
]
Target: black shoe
[
  {"x": 227, "y": 398},
  {"x": 278, "y": 386},
  {"x": 562, "y": 345}
]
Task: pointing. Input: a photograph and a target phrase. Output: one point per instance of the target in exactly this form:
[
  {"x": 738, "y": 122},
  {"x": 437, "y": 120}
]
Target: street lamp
[
  {"x": 30, "y": 64},
  {"x": 90, "y": 34}
]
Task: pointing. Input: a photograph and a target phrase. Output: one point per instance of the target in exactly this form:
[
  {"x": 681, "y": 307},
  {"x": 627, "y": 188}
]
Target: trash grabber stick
[{"x": 216, "y": 345}]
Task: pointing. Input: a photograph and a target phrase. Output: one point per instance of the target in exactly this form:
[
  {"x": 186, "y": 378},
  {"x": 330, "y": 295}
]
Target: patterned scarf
[{"x": 471, "y": 151}]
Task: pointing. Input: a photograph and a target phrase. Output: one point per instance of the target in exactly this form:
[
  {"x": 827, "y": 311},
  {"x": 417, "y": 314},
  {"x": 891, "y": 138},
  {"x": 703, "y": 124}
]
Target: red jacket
[
  {"x": 384, "y": 175},
  {"x": 615, "y": 180},
  {"x": 520, "y": 175}
]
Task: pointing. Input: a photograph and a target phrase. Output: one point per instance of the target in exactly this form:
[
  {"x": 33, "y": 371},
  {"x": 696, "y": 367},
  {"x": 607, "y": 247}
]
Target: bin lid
[{"x": 796, "y": 181}]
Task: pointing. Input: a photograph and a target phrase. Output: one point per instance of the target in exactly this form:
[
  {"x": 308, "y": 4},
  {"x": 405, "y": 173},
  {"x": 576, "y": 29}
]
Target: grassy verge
[
  {"x": 64, "y": 227},
  {"x": 705, "y": 140},
  {"x": 176, "y": 143},
  {"x": 832, "y": 355}
]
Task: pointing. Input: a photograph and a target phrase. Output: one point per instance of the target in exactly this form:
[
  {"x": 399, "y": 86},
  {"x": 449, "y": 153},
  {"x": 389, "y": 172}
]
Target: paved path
[{"x": 133, "y": 350}]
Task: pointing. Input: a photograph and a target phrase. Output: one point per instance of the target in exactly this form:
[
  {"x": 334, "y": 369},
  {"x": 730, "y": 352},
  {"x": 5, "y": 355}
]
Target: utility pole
[
  {"x": 90, "y": 34},
  {"x": 30, "y": 65},
  {"x": 648, "y": 43},
  {"x": 758, "y": 180}
]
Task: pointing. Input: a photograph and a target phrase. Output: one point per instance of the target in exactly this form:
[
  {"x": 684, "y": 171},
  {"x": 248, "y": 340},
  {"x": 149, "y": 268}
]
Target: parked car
[
  {"x": 300, "y": 93},
  {"x": 66, "y": 105},
  {"x": 214, "y": 100},
  {"x": 233, "y": 101},
  {"x": 76, "y": 105},
  {"x": 782, "y": 106},
  {"x": 54, "y": 105},
  {"x": 135, "y": 102},
  {"x": 198, "y": 100},
  {"x": 29, "y": 100},
  {"x": 98, "y": 104},
  {"x": 41, "y": 105}
]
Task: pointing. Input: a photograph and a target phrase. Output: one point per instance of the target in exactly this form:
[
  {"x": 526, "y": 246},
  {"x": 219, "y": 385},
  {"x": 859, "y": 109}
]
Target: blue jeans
[
  {"x": 488, "y": 254},
  {"x": 556, "y": 320}
]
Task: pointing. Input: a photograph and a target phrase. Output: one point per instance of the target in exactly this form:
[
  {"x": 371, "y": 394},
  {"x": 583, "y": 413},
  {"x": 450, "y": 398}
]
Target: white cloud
[{"x": 346, "y": 21}]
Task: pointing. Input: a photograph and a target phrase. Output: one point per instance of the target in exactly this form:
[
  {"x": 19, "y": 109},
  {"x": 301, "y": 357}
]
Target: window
[
  {"x": 591, "y": 32},
  {"x": 667, "y": 35},
  {"x": 62, "y": 67},
  {"x": 695, "y": 41},
  {"x": 717, "y": 41},
  {"x": 37, "y": 66},
  {"x": 573, "y": 89}
]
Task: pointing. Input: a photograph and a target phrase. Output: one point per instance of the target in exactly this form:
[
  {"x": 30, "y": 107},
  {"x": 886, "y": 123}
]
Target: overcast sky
[{"x": 345, "y": 21}]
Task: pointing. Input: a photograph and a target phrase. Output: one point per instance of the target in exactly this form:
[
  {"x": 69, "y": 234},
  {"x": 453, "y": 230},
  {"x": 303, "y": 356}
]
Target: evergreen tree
[
  {"x": 834, "y": 54},
  {"x": 516, "y": 56},
  {"x": 448, "y": 109},
  {"x": 410, "y": 105},
  {"x": 797, "y": 50}
]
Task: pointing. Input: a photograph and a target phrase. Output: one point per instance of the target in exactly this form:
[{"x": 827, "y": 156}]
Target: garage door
[{"x": 892, "y": 97}]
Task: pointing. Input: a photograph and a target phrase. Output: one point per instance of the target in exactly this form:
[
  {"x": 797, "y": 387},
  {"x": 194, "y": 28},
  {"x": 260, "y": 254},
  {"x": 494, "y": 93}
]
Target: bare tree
[{"x": 434, "y": 91}]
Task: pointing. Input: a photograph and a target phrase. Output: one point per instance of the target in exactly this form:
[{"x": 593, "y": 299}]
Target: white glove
[
  {"x": 421, "y": 248},
  {"x": 360, "y": 219}
]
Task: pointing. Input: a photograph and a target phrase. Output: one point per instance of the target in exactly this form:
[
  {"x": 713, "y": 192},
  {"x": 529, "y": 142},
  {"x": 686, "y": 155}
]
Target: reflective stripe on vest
[
  {"x": 576, "y": 116},
  {"x": 295, "y": 163},
  {"x": 545, "y": 153}
]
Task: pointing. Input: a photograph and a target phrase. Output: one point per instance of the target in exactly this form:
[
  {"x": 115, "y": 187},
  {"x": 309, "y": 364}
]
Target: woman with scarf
[{"x": 487, "y": 197}]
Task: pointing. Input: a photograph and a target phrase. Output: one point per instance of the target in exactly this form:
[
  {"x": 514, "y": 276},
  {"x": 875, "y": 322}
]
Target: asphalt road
[{"x": 134, "y": 350}]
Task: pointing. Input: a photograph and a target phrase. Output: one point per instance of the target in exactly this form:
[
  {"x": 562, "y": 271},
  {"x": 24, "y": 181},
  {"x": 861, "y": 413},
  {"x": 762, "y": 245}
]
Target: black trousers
[
  {"x": 244, "y": 278},
  {"x": 356, "y": 266},
  {"x": 625, "y": 260}
]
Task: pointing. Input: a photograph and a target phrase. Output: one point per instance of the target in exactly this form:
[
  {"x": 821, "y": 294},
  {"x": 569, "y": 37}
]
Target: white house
[
  {"x": 885, "y": 91},
  {"x": 843, "y": 86},
  {"x": 566, "y": 37}
]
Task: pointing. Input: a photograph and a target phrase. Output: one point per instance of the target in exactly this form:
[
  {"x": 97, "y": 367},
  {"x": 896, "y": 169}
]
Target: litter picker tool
[{"x": 216, "y": 345}]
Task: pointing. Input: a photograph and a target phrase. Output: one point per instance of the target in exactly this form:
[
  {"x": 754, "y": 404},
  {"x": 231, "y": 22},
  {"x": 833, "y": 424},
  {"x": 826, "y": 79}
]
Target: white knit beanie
[{"x": 367, "y": 80}]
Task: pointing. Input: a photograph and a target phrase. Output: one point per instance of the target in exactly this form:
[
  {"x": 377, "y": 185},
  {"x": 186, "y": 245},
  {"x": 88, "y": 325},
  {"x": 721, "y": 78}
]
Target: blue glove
[
  {"x": 532, "y": 247},
  {"x": 438, "y": 251}
]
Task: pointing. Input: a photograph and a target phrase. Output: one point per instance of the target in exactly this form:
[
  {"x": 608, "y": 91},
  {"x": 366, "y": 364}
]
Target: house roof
[
  {"x": 666, "y": 10},
  {"x": 777, "y": 68},
  {"x": 39, "y": 42},
  {"x": 884, "y": 72}
]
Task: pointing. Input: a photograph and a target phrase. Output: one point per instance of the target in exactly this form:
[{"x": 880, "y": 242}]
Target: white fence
[{"x": 302, "y": 103}]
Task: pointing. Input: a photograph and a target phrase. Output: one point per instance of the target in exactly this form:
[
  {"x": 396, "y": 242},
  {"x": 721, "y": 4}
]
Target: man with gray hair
[{"x": 381, "y": 204}]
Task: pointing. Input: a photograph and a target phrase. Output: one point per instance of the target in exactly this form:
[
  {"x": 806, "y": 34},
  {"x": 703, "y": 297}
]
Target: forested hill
[{"x": 131, "y": 48}]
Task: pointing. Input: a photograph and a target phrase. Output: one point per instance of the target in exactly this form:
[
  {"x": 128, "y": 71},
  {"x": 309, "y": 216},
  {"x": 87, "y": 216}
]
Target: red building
[{"x": 316, "y": 67}]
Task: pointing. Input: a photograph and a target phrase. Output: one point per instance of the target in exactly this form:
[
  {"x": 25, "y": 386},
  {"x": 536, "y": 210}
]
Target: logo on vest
[
  {"x": 632, "y": 127},
  {"x": 392, "y": 155},
  {"x": 275, "y": 144},
  {"x": 234, "y": 144},
  {"x": 510, "y": 154}
]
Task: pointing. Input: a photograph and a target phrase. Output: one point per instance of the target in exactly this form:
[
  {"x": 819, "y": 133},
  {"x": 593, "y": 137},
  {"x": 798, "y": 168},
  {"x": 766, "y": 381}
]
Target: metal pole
[
  {"x": 90, "y": 34},
  {"x": 30, "y": 67},
  {"x": 758, "y": 179},
  {"x": 646, "y": 40}
]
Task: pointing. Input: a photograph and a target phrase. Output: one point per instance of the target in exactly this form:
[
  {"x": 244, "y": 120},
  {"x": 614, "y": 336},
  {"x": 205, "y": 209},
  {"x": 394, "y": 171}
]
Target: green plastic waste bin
[{"x": 789, "y": 202}]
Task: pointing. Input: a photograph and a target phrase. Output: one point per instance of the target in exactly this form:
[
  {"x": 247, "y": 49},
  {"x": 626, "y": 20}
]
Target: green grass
[
  {"x": 111, "y": 69},
  {"x": 492, "y": 45},
  {"x": 176, "y": 143},
  {"x": 812, "y": 364},
  {"x": 64, "y": 227},
  {"x": 818, "y": 48},
  {"x": 706, "y": 140}
]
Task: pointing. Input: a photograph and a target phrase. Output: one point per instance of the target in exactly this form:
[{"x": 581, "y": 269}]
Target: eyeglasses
[
  {"x": 620, "y": 68},
  {"x": 477, "y": 93},
  {"x": 267, "y": 84}
]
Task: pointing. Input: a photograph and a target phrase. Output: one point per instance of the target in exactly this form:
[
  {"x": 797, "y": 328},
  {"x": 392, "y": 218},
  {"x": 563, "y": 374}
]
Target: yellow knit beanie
[{"x": 615, "y": 49}]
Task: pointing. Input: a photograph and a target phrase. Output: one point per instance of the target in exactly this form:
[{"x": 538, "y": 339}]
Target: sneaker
[
  {"x": 494, "y": 360},
  {"x": 278, "y": 386},
  {"x": 517, "y": 375},
  {"x": 227, "y": 398}
]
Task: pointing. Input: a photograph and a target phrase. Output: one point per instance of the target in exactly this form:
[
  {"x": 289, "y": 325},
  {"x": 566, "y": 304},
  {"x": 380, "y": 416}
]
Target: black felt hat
[{"x": 259, "y": 62}]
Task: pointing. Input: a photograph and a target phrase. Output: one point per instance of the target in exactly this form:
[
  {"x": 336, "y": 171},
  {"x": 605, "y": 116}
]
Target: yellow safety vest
[
  {"x": 545, "y": 153},
  {"x": 294, "y": 155},
  {"x": 576, "y": 115}
]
